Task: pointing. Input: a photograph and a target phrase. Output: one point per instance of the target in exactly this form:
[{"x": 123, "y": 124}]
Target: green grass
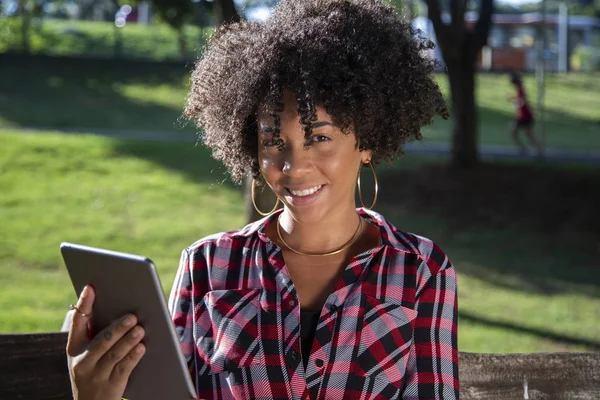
[
  {"x": 146, "y": 198},
  {"x": 572, "y": 111},
  {"x": 97, "y": 39},
  {"x": 105, "y": 94},
  {"x": 110, "y": 94},
  {"x": 156, "y": 198}
]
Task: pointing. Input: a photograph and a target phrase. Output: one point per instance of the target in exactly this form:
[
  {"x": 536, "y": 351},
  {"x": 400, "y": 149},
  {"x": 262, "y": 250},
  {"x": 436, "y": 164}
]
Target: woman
[
  {"x": 318, "y": 300},
  {"x": 524, "y": 117}
]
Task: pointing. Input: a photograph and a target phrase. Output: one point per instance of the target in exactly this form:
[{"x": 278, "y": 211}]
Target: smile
[
  {"x": 304, "y": 197},
  {"x": 305, "y": 192}
]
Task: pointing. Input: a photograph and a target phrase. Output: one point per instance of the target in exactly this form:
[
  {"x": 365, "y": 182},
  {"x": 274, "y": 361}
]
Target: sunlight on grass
[
  {"x": 163, "y": 94},
  {"x": 64, "y": 188},
  {"x": 572, "y": 111},
  {"x": 155, "y": 199}
]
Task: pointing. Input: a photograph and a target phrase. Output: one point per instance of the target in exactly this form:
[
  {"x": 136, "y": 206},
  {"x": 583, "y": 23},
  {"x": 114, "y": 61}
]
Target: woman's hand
[{"x": 100, "y": 368}]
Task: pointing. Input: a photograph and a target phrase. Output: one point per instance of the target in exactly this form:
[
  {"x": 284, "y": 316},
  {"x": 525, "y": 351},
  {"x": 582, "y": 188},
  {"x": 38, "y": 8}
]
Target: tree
[
  {"x": 175, "y": 13},
  {"x": 225, "y": 12},
  {"x": 27, "y": 10},
  {"x": 407, "y": 7},
  {"x": 460, "y": 46}
]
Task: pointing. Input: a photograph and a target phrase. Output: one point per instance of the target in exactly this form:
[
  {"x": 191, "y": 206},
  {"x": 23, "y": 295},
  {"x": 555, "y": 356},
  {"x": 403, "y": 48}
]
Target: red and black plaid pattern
[{"x": 388, "y": 330}]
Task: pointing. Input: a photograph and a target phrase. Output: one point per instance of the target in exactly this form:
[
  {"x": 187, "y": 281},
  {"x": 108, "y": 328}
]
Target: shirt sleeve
[
  {"x": 181, "y": 307},
  {"x": 432, "y": 370}
]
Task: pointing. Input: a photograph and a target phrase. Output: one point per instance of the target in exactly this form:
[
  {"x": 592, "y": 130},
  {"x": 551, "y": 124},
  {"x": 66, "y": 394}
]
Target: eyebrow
[
  {"x": 319, "y": 124},
  {"x": 267, "y": 129}
]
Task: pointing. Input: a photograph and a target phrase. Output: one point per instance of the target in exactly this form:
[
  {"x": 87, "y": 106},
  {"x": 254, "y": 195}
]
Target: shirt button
[
  {"x": 319, "y": 362},
  {"x": 293, "y": 355},
  {"x": 333, "y": 308},
  {"x": 292, "y": 303}
]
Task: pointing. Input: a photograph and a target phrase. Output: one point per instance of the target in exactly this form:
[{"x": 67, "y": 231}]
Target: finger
[
  {"x": 107, "y": 338},
  {"x": 78, "y": 331},
  {"x": 123, "y": 368},
  {"x": 119, "y": 351}
]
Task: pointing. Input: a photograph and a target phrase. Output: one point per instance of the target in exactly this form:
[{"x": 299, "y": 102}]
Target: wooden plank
[
  {"x": 34, "y": 367},
  {"x": 530, "y": 376}
]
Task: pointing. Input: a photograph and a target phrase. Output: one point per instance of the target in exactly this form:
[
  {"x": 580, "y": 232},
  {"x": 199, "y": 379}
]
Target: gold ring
[{"x": 74, "y": 307}]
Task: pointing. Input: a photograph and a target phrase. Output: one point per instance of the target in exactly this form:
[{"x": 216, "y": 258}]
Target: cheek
[
  {"x": 268, "y": 162},
  {"x": 341, "y": 167}
]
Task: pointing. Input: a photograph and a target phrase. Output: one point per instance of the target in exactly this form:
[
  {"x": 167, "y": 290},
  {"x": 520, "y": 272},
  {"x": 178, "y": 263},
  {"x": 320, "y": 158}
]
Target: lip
[{"x": 303, "y": 200}]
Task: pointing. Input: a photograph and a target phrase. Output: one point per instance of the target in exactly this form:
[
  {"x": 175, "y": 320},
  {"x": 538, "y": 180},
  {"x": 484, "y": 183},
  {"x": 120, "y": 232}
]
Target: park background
[{"x": 94, "y": 150}]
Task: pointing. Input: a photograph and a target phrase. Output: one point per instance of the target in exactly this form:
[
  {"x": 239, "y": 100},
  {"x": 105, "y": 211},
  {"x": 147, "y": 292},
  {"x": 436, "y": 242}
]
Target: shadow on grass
[
  {"x": 520, "y": 226},
  {"x": 88, "y": 93},
  {"x": 563, "y": 130},
  {"x": 192, "y": 160},
  {"x": 535, "y": 223}
]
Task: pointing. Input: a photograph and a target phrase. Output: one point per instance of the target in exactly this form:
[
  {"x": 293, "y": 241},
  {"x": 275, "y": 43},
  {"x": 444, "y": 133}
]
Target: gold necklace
[{"x": 330, "y": 253}]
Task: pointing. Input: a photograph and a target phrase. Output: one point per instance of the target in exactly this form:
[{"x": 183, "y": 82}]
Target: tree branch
[
  {"x": 434, "y": 13},
  {"x": 443, "y": 33},
  {"x": 457, "y": 12},
  {"x": 480, "y": 33}
]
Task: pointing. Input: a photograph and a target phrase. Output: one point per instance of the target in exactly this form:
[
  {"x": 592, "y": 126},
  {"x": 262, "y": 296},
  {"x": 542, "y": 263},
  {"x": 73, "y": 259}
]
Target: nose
[{"x": 296, "y": 161}]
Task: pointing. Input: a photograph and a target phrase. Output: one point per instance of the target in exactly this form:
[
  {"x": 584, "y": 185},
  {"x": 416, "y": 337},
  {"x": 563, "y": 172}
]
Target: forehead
[{"x": 290, "y": 109}]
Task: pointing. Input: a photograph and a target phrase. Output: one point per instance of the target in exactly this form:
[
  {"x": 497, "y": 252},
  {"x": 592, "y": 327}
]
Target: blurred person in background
[
  {"x": 320, "y": 299},
  {"x": 524, "y": 116}
]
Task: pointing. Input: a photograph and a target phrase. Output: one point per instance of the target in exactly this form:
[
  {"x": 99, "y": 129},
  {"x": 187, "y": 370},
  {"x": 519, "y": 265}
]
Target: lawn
[
  {"x": 525, "y": 284},
  {"x": 147, "y": 198},
  {"x": 98, "y": 39},
  {"x": 128, "y": 95},
  {"x": 571, "y": 116}
]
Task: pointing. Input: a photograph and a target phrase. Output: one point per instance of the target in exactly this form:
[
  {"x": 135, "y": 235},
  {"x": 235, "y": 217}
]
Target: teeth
[{"x": 305, "y": 192}]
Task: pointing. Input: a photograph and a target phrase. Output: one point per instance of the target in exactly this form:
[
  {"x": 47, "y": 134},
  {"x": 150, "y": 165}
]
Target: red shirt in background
[{"x": 524, "y": 113}]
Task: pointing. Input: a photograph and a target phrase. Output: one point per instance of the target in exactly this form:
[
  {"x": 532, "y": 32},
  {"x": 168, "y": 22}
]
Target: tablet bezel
[{"x": 162, "y": 372}]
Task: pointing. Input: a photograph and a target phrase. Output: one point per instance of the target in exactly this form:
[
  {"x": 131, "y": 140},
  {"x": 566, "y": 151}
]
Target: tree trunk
[
  {"x": 460, "y": 46},
  {"x": 25, "y": 26},
  {"x": 182, "y": 43},
  {"x": 225, "y": 12},
  {"x": 118, "y": 48},
  {"x": 461, "y": 74}
]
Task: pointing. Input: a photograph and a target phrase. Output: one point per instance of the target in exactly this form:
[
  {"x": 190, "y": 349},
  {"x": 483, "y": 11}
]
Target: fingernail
[
  {"x": 90, "y": 334},
  {"x": 128, "y": 319},
  {"x": 137, "y": 332},
  {"x": 85, "y": 291}
]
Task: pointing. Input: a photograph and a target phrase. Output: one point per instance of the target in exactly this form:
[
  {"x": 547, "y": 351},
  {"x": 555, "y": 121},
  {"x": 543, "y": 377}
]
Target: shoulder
[
  {"x": 432, "y": 258},
  {"x": 426, "y": 249},
  {"x": 227, "y": 242}
]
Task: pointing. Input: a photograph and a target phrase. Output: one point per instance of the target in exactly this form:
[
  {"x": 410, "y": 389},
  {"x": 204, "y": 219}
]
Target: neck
[{"x": 324, "y": 235}]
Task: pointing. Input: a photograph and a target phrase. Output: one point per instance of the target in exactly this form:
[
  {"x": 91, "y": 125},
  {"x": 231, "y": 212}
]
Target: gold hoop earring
[
  {"x": 376, "y": 187},
  {"x": 256, "y": 208}
]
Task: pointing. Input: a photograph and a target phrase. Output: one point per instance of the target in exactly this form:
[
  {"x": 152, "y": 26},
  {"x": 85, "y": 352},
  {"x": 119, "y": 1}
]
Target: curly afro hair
[{"x": 359, "y": 59}]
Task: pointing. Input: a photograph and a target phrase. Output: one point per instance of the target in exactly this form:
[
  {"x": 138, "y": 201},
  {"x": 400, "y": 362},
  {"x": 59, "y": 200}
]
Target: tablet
[{"x": 126, "y": 283}]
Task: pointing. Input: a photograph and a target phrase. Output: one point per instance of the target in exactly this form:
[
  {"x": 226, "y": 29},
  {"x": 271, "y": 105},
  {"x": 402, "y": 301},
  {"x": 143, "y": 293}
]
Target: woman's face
[{"x": 312, "y": 177}]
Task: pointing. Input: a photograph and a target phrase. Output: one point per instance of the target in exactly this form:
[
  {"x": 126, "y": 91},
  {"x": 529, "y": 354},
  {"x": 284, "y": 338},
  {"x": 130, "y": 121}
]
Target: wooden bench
[{"x": 34, "y": 367}]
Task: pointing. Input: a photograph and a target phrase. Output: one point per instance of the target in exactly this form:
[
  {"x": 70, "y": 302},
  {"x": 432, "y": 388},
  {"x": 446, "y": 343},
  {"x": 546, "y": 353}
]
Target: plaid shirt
[{"x": 388, "y": 330}]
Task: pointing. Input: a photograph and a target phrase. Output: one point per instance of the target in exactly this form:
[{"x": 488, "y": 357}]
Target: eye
[
  {"x": 319, "y": 138},
  {"x": 272, "y": 142}
]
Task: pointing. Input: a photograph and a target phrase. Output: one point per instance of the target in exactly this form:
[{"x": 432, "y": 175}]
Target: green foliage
[
  {"x": 174, "y": 12},
  {"x": 586, "y": 58},
  {"x": 138, "y": 96},
  {"x": 97, "y": 39}
]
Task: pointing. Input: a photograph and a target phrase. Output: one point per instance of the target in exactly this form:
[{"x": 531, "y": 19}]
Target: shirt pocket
[
  {"x": 227, "y": 327},
  {"x": 385, "y": 341}
]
